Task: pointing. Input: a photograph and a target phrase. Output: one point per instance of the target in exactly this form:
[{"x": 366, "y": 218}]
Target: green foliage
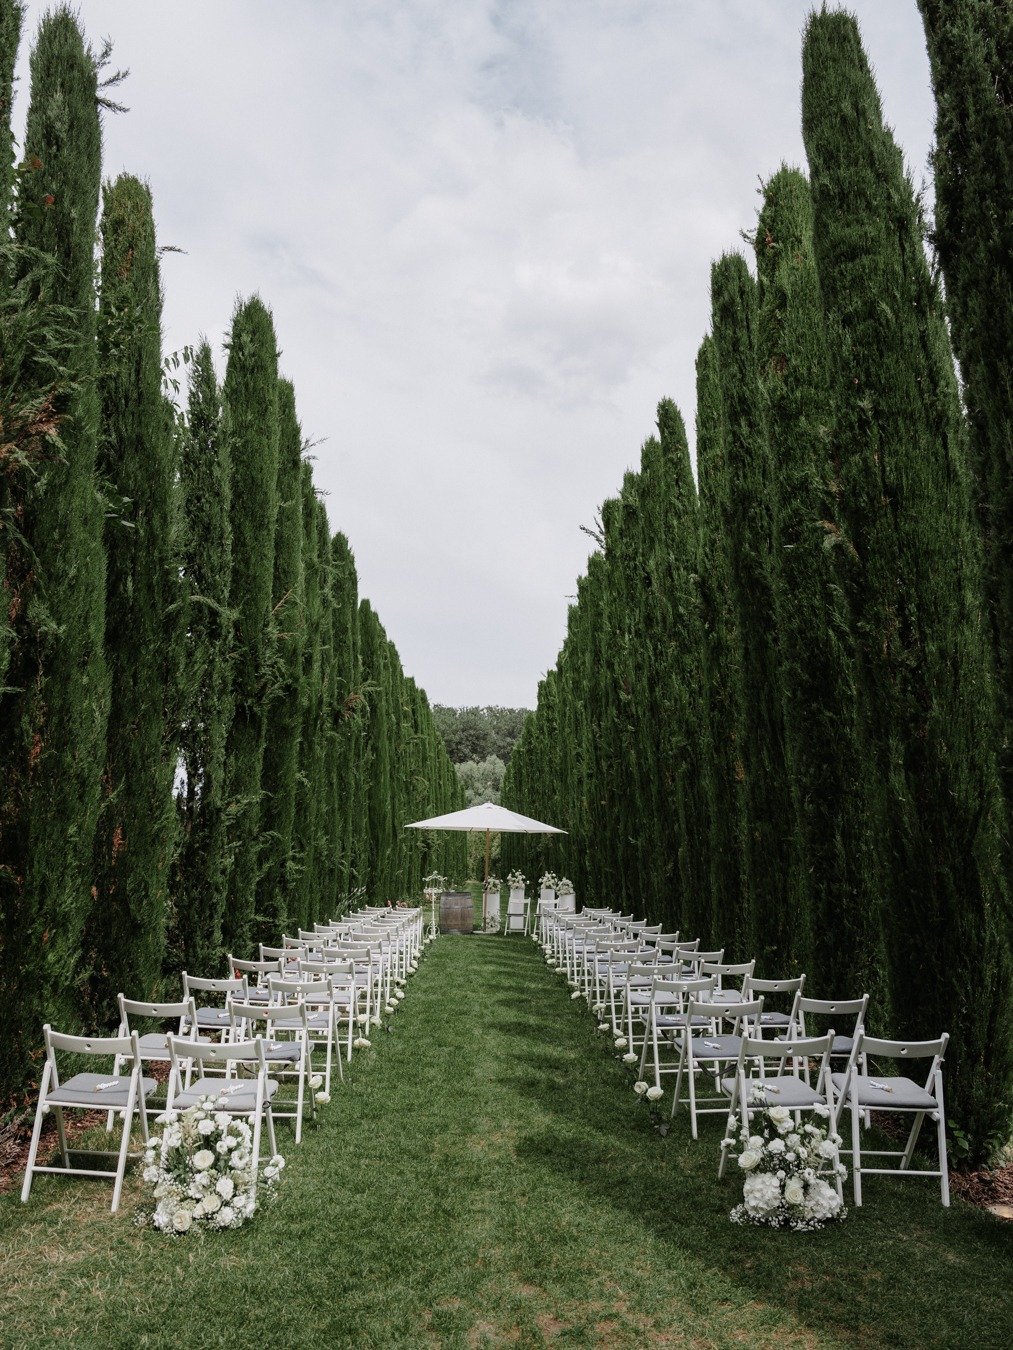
[
  {"x": 137, "y": 462},
  {"x": 202, "y": 867},
  {"x": 970, "y": 46},
  {"x": 54, "y": 707},
  {"x": 11, "y": 18},
  {"x": 476, "y": 733},
  {"x": 250, "y": 409},
  {"x": 284, "y": 712},
  {"x": 482, "y": 779}
]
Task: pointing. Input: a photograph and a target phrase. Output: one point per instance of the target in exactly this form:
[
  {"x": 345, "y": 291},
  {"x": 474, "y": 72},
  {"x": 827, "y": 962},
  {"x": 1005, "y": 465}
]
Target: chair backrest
[
  {"x": 257, "y": 968},
  {"x": 249, "y": 1014},
  {"x": 873, "y": 1048},
  {"x": 723, "y": 970},
  {"x": 747, "y": 1013},
  {"x": 88, "y": 1045},
  {"x": 668, "y": 991},
  {"x": 183, "y": 1013},
  {"x": 274, "y": 953},
  {"x": 310, "y": 991},
  {"x": 793, "y": 986},
  {"x": 197, "y": 984},
  {"x": 842, "y": 1010},
  {"x": 217, "y": 1052},
  {"x": 809, "y": 1047}
]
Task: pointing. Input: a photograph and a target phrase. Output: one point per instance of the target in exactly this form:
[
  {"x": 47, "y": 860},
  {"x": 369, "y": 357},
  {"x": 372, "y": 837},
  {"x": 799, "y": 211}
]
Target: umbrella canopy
[{"x": 487, "y": 818}]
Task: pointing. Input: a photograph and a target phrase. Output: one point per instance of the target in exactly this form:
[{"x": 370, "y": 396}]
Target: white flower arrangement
[
  {"x": 564, "y": 886},
  {"x": 200, "y": 1169},
  {"x": 492, "y": 885},
  {"x": 548, "y": 881},
  {"x": 783, "y": 1188},
  {"x": 516, "y": 880}
]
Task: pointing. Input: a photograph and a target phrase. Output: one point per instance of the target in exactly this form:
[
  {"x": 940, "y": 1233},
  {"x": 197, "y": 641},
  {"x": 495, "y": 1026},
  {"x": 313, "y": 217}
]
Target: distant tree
[
  {"x": 482, "y": 779},
  {"x": 474, "y": 733}
]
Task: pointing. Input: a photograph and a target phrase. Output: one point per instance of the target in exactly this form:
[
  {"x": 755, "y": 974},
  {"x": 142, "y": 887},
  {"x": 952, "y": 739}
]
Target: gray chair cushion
[
  {"x": 893, "y": 1094},
  {"x": 83, "y": 1090},
  {"x": 715, "y": 1047},
  {"x": 842, "y": 1045},
  {"x": 227, "y": 1094},
  {"x": 318, "y": 1021},
  {"x": 287, "y": 1052},
  {"x": 782, "y": 1090},
  {"x": 775, "y": 1019},
  {"x": 212, "y": 1018}
]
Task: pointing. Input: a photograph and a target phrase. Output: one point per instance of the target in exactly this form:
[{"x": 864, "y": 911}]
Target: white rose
[
  {"x": 322, "y": 1098},
  {"x": 203, "y": 1159},
  {"x": 794, "y": 1192},
  {"x": 361, "y": 1043},
  {"x": 779, "y": 1114},
  {"x": 225, "y": 1217},
  {"x": 749, "y": 1160},
  {"x": 278, "y": 1161},
  {"x": 654, "y": 1093},
  {"x": 793, "y": 1141},
  {"x": 181, "y": 1220},
  {"x": 630, "y": 1057},
  {"x": 756, "y": 1143},
  {"x": 223, "y": 1120},
  {"x": 776, "y": 1146},
  {"x": 821, "y": 1109},
  {"x": 620, "y": 1042},
  {"x": 212, "y": 1203},
  {"x": 225, "y": 1187},
  {"x": 317, "y": 1081},
  {"x": 206, "y": 1126},
  {"x": 575, "y": 994},
  {"x": 603, "y": 1026},
  {"x": 827, "y": 1150},
  {"x": 640, "y": 1088}
]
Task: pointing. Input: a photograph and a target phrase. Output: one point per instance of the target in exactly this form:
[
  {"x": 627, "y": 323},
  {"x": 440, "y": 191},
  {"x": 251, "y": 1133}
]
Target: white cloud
[{"x": 485, "y": 230}]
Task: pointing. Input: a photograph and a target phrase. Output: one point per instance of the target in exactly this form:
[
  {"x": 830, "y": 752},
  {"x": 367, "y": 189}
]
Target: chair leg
[
  {"x": 62, "y": 1133},
  {"x": 128, "y": 1120},
  {"x": 33, "y": 1148},
  {"x": 300, "y": 1094},
  {"x": 270, "y": 1129},
  {"x": 678, "y": 1080},
  {"x": 729, "y": 1126},
  {"x": 916, "y": 1130},
  {"x": 691, "y": 1075},
  {"x": 944, "y": 1171},
  {"x": 856, "y": 1148}
]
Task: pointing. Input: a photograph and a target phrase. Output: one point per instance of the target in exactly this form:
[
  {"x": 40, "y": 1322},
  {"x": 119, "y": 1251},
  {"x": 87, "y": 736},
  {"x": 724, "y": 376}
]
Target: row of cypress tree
[
  {"x": 205, "y": 736},
  {"x": 775, "y": 720}
]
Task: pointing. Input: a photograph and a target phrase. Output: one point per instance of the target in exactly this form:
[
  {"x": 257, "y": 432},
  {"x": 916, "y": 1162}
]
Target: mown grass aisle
[{"x": 487, "y": 1177}]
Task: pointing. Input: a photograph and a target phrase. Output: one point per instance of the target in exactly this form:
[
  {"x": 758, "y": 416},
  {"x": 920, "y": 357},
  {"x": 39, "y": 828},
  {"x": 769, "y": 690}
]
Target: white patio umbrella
[{"x": 488, "y": 818}]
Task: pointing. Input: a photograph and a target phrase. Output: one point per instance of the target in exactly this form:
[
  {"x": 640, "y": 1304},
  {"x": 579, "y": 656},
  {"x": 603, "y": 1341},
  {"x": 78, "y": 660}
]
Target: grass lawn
[{"x": 487, "y": 1177}]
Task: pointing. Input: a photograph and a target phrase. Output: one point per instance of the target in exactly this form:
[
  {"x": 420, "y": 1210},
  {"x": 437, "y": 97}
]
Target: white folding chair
[
  {"x": 89, "y": 1092},
  {"x": 153, "y": 1045},
  {"x": 317, "y": 995},
  {"x": 778, "y": 1081},
  {"x": 516, "y": 920},
  {"x": 665, "y": 1016},
  {"x": 250, "y": 1097},
  {"x": 706, "y": 1048},
  {"x": 287, "y": 1049},
  {"x": 213, "y": 1018},
  {"x": 867, "y": 1093}
]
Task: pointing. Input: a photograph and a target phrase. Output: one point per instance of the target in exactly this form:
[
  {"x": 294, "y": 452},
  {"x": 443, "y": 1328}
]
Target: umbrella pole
[{"x": 487, "y": 847}]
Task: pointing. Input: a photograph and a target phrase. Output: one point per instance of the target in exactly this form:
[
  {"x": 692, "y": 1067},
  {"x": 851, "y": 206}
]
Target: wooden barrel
[{"x": 457, "y": 912}]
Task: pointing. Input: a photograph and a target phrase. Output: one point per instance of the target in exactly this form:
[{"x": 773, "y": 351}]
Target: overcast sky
[{"x": 485, "y": 230}]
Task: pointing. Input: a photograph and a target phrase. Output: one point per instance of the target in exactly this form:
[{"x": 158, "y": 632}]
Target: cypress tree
[
  {"x": 284, "y": 717},
  {"x": 348, "y": 711},
  {"x": 11, "y": 17},
  {"x": 53, "y": 712},
  {"x": 202, "y": 867},
  {"x": 675, "y": 565},
  {"x": 302, "y": 906},
  {"x": 926, "y": 668},
  {"x": 11, "y": 14},
  {"x": 250, "y": 400},
  {"x": 970, "y": 46},
  {"x": 750, "y": 520},
  {"x": 136, "y": 834},
  {"x": 723, "y": 666},
  {"x": 835, "y": 877}
]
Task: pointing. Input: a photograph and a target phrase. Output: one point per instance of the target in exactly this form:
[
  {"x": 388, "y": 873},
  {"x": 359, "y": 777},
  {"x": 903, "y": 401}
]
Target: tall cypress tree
[
  {"x": 301, "y": 903},
  {"x": 835, "y": 879},
  {"x": 136, "y": 834},
  {"x": 201, "y": 874},
  {"x": 281, "y": 752},
  {"x": 11, "y": 17},
  {"x": 250, "y": 400},
  {"x": 348, "y": 713},
  {"x": 970, "y": 46},
  {"x": 926, "y": 664},
  {"x": 53, "y": 714},
  {"x": 750, "y": 523},
  {"x": 723, "y": 665}
]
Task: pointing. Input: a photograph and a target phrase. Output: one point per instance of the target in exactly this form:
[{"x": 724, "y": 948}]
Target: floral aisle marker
[
  {"x": 201, "y": 1171},
  {"x": 782, "y": 1161}
]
